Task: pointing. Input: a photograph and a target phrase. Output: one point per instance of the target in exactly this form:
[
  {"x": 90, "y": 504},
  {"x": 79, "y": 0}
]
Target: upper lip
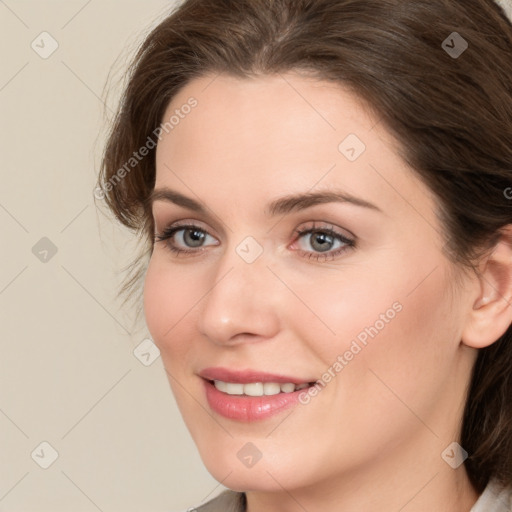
[{"x": 248, "y": 376}]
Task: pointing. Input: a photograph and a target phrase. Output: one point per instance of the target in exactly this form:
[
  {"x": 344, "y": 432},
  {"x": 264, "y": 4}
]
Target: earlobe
[{"x": 491, "y": 314}]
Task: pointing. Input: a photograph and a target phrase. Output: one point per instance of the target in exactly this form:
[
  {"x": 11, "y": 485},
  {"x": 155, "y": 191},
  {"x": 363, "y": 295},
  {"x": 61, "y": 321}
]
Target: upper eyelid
[
  {"x": 184, "y": 224},
  {"x": 218, "y": 224},
  {"x": 221, "y": 227},
  {"x": 328, "y": 226},
  {"x": 298, "y": 232}
]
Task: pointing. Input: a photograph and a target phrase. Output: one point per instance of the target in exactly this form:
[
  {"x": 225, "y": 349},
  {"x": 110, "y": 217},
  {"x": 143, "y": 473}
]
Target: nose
[{"x": 242, "y": 302}]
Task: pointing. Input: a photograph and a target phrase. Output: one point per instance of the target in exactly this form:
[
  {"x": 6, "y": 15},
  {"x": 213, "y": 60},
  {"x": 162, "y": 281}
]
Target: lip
[
  {"x": 248, "y": 408},
  {"x": 247, "y": 376}
]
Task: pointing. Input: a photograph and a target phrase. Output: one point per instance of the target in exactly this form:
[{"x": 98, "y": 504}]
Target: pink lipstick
[{"x": 250, "y": 395}]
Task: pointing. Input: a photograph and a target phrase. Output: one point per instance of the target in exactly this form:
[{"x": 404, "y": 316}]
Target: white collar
[
  {"x": 506, "y": 5},
  {"x": 494, "y": 499}
]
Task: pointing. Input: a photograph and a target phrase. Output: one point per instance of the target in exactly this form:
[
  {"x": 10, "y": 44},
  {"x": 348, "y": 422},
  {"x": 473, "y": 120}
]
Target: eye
[
  {"x": 192, "y": 237},
  {"x": 327, "y": 242}
]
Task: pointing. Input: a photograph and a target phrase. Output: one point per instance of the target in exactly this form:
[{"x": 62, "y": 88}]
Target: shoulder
[{"x": 227, "y": 501}]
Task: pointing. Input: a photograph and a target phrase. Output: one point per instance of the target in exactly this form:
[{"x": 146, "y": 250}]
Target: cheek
[
  {"x": 395, "y": 319},
  {"x": 156, "y": 302},
  {"x": 409, "y": 359},
  {"x": 169, "y": 297},
  {"x": 338, "y": 307}
]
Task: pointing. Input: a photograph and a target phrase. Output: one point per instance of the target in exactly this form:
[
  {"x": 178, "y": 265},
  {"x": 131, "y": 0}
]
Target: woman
[{"x": 324, "y": 188}]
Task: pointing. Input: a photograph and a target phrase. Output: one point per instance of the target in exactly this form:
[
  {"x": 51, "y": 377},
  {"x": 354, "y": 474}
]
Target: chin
[
  {"x": 248, "y": 479},
  {"x": 273, "y": 471}
]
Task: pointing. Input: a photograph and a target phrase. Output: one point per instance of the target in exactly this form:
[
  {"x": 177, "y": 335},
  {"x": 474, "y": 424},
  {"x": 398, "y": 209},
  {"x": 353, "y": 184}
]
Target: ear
[{"x": 492, "y": 309}]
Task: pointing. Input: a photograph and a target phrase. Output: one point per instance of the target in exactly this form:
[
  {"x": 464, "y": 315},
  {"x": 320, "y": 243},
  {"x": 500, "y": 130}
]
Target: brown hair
[{"x": 452, "y": 117}]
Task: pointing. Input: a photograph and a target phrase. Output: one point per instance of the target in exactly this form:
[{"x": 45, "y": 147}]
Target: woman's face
[{"x": 362, "y": 301}]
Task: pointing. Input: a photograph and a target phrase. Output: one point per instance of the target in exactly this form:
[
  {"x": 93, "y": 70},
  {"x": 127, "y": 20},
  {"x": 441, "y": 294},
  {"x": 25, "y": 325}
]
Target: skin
[{"x": 372, "y": 439}]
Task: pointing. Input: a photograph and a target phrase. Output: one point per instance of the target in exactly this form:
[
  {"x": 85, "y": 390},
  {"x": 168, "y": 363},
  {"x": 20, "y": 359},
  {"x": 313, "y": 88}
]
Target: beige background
[{"x": 69, "y": 373}]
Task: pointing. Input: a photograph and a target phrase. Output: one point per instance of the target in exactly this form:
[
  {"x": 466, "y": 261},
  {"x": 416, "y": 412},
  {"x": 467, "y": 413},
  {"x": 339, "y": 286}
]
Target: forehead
[
  {"x": 283, "y": 132},
  {"x": 265, "y": 114}
]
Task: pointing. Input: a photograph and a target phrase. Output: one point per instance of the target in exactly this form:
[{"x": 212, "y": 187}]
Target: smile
[{"x": 257, "y": 388}]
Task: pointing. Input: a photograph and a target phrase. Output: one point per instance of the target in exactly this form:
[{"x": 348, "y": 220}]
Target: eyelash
[{"x": 168, "y": 233}]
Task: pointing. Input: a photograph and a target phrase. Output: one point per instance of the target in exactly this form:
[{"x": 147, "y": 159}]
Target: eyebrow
[{"x": 281, "y": 206}]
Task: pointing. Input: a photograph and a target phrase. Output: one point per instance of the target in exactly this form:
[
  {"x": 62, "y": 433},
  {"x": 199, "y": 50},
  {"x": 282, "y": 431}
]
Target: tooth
[
  {"x": 271, "y": 388},
  {"x": 234, "y": 388},
  {"x": 221, "y": 386},
  {"x": 253, "y": 389},
  {"x": 257, "y": 388},
  {"x": 288, "y": 387}
]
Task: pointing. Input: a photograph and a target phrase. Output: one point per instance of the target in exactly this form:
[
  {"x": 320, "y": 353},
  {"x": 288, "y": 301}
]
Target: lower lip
[{"x": 249, "y": 408}]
